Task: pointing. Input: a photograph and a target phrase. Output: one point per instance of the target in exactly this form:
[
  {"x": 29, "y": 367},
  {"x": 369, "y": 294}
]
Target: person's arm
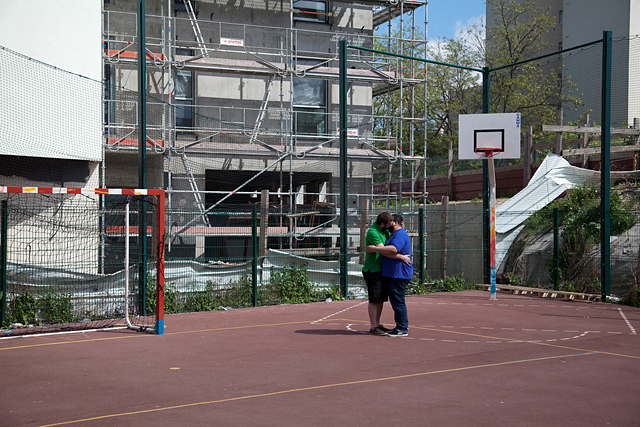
[
  {"x": 371, "y": 249},
  {"x": 404, "y": 258},
  {"x": 388, "y": 251}
]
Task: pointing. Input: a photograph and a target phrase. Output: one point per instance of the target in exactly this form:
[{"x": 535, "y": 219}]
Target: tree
[{"x": 535, "y": 89}]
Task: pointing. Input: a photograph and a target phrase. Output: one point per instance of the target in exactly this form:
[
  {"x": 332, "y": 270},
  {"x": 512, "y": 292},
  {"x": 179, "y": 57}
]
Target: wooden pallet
[{"x": 541, "y": 292}]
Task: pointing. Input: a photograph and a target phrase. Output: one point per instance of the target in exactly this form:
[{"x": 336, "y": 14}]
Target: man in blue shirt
[{"x": 397, "y": 272}]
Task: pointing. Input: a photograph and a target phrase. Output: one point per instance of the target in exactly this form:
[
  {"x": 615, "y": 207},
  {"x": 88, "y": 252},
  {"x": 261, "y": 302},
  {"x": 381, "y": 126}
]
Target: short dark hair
[
  {"x": 384, "y": 218},
  {"x": 397, "y": 218}
]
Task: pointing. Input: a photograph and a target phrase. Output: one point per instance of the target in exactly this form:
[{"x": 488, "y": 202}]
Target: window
[
  {"x": 559, "y": 45},
  {"x": 560, "y": 17},
  {"x": 309, "y": 103},
  {"x": 306, "y": 10},
  {"x": 183, "y": 97}
]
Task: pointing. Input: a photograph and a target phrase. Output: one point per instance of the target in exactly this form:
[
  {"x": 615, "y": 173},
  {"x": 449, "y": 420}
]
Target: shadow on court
[{"x": 517, "y": 360}]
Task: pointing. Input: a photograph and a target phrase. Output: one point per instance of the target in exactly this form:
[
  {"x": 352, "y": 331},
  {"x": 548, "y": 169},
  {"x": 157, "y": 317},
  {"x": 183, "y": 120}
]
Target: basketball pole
[{"x": 492, "y": 225}]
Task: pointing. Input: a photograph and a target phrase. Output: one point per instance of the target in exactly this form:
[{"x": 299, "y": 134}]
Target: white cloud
[{"x": 461, "y": 29}]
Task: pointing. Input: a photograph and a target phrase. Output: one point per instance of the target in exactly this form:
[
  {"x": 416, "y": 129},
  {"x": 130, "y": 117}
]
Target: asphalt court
[{"x": 468, "y": 360}]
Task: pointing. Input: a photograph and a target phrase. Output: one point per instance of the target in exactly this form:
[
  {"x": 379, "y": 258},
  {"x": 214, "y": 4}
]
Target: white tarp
[
  {"x": 104, "y": 293},
  {"x": 554, "y": 176}
]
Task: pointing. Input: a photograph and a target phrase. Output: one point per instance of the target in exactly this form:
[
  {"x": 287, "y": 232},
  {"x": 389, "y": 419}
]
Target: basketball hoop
[{"x": 487, "y": 151}]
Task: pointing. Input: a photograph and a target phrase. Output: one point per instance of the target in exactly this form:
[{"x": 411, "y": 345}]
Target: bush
[
  {"x": 48, "y": 309},
  {"x": 579, "y": 215},
  {"x": 448, "y": 284}
]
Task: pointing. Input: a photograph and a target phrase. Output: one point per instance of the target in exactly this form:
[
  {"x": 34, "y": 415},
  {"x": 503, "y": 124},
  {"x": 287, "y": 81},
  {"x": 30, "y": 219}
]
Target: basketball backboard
[{"x": 478, "y": 133}]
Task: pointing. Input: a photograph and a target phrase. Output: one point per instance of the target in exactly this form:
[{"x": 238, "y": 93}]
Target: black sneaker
[
  {"x": 382, "y": 328},
  {"x": 397, "y": 333}
]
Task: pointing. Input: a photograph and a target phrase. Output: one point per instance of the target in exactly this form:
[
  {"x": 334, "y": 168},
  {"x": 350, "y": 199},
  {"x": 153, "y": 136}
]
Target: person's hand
[
  {"x": 370, "y": 249},
  {"x": 405, "y": 258}
]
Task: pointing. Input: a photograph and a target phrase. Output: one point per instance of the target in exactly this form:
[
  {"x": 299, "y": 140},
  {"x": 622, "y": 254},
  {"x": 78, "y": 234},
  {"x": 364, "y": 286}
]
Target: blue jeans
[{"x": 397, "y": 289}]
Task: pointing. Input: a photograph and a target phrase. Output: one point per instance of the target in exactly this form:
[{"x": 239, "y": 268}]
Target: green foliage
[
  {"x": 172, "y": 302},
  {"x": 22, "y": 309},
  {"x": 291, "y": 285},
  {"x": 579, "y": 215},
  {"x": 48, "y": 309},
  {"x": 288, "y": 285},
  {"x": 455, "y": 283},
  {"x": 56, "y": 309},
  {"x": 517, "y": 280},
  {"x": 534, "y": 90}
]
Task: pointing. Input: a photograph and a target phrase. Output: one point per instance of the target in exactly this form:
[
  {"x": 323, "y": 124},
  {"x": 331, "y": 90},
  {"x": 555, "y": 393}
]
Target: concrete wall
[
  {"x": 47, "y": 112},
  {"x": 584, "y": 21}
]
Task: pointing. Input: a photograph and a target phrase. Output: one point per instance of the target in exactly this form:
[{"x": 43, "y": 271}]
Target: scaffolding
[{"x": 265, "y": 133}]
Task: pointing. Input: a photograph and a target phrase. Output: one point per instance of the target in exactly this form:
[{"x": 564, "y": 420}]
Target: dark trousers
[{"x": 397, "y": 288}]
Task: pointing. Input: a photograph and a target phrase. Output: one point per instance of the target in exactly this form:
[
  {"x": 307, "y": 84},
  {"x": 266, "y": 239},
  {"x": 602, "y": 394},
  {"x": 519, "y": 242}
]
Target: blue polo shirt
[{"x": 394, "y": 267}]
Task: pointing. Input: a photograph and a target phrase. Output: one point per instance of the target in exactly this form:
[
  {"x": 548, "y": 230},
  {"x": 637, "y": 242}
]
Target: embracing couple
[{"x": 387, "y": 270}]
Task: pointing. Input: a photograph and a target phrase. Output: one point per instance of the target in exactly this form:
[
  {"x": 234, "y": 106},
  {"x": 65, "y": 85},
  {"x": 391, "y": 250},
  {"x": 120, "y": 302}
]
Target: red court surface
[{"x": 468, "y": 361}]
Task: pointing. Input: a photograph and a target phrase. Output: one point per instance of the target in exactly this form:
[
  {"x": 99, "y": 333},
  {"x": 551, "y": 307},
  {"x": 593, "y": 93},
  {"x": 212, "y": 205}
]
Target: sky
[{"x": 448, "y": 17}]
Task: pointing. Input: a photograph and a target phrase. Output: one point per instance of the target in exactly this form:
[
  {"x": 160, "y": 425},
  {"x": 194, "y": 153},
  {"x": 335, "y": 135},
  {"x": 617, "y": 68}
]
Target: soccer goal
[{"x": 65, "y": 259}]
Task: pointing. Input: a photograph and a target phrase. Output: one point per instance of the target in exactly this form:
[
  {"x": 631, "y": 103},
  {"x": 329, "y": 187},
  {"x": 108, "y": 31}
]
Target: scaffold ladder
[
  {"x": 194, "y": 188},
  {"x": 263, "y": 109},
  {"x": 196, "y": 28}
]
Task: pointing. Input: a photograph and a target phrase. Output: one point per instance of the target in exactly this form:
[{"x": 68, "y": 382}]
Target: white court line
[
  {"x": 341, "y": 311},
  {"x": 633, "y": 331},
  {"x": 47, "y": 334}
]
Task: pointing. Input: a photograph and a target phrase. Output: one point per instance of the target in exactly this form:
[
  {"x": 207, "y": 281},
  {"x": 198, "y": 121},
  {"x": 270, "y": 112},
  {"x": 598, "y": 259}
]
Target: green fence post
[
  {"x": 343, "y": 169},
  {"x": 142, "y": 154},
  {"x": 3, "y": 260},
  {"x": 605, "y": 209},
  {"x": 556, "y": 248},
  {"x": 486, "y": 241},
  {"x": 421, "y": 246},
  {"x": 254, "y": 264}
]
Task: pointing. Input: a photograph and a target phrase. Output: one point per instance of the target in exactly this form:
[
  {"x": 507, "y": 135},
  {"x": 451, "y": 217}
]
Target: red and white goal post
[{"x": 67, "y": 245}]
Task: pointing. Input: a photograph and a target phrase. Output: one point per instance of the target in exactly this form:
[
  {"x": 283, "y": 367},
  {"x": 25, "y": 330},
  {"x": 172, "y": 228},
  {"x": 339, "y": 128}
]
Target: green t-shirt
[{"x": 375, "y": 236}]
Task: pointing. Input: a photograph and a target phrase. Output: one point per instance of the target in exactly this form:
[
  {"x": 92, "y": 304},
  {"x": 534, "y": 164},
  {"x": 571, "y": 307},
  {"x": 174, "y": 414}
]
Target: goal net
[{"x": 63, "y": 259}]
